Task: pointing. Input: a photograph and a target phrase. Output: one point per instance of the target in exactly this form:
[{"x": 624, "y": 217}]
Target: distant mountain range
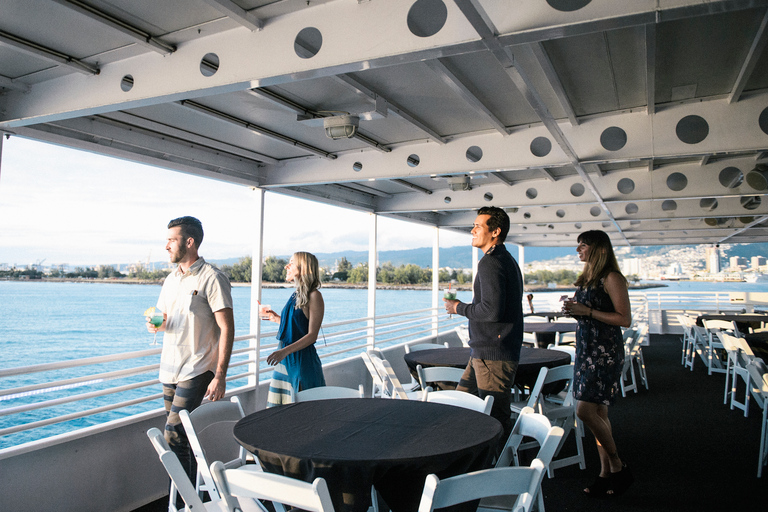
[
  {"x": 461, "y": 256},
  {"x": 454, "y": 257}
]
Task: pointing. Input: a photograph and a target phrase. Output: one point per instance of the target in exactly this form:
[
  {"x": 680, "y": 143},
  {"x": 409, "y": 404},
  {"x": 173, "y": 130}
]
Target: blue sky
[{"x": 73, "y": 207}]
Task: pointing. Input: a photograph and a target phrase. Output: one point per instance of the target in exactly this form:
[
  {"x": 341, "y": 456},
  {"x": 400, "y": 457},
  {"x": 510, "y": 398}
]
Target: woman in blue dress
[
  {"x": 297, "y": 365},
  {"x": 601, "y": 307}
]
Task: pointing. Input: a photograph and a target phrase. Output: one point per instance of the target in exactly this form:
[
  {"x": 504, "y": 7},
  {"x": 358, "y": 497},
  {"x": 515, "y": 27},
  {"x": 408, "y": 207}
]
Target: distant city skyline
[{"x": 65, "y": 206}]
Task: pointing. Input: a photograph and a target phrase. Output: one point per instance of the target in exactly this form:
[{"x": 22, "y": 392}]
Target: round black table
[
  {"x": 359, "y": 442},
  {"x": 744, "y": 321},
  {"x": 531, "y": 361},
  {"x": 550, "y": 315},
  {"x": 546, "y": 332}
]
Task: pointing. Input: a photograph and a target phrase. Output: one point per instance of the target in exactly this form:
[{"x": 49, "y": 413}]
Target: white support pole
[
  {"x": 475, "y": 259},
  {"x": 435, "y": 280},
  {"x": 1, "y": 153},
  {"x": 372, "y": 263},
  {"x": 256, "y": 274},
  {"x": 521, "y": 260}
]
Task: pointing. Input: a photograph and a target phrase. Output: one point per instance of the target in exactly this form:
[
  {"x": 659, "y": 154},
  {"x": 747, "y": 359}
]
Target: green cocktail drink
[
  {"x": 449, "y": 295},
  {"x": 156, "y": 318}
]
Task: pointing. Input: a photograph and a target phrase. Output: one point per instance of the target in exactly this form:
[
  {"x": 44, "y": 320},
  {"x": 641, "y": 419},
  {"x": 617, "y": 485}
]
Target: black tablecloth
[
  {"x": 358, "y": 442},
  {"x": 744, "y": 321},
  {"x": 758, "y": 342},
  {"x": 531, "y": 361},
  {"x": 546, "y": 332},
  {"x": 551, "y": 315}
]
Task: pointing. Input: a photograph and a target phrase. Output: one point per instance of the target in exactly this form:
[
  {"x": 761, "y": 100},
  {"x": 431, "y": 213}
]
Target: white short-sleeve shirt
[{"x": 191, "y": 338}]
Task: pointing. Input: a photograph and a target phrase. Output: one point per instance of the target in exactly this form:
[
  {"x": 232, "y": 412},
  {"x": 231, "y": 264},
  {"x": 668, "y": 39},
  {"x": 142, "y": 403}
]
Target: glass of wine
[{"x": 156, "y": 318}]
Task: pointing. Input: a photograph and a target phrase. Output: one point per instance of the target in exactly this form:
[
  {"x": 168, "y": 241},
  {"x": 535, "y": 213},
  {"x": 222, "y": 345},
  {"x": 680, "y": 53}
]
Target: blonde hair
[
  {"x": 308, "y": 278},
  {"x": 600, "y": 262}
]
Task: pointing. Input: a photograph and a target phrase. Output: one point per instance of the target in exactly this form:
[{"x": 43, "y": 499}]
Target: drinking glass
[
  {"x": 155, "y": 317},
  {"x": 264, "y": 311}
]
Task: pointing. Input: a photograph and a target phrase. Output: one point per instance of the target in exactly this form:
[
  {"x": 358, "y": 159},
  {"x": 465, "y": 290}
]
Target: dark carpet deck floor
[{"x": 687, "y": 450}]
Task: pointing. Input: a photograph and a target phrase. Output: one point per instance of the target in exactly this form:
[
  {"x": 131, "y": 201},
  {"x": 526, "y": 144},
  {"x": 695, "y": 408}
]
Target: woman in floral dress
[{"x": 601, "y": 307}]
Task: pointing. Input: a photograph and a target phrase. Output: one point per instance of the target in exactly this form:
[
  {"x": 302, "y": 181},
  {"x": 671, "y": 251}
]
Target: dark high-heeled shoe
[
  {"x": 619, "y": 482},
  {"x": 598, "y": 488}
]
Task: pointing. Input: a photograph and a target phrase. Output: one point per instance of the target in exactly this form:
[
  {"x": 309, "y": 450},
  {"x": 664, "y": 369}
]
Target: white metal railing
[{"x": 124, "y": 387}]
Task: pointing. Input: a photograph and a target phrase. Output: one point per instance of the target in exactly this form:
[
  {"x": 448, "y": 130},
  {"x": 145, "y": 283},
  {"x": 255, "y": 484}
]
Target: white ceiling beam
[
  {"x": 484, "y": 27},
  {"x": 746, "y": 228},
  {"x": 137, "y": 35},
  {"x": 554, "y": 81},
  {"x": 10, "y": 83},
  {"x": 392, "y": 107},
  {"x": 237, "y": 13},
  {"x": 754, "y": 54},
  {"x": 650, "y": 68},
  {"x": 164, "y": 129},
  {"x": 465, "y": 90},
  {"x": 259, "y": 130},
  {"x": 47, "y": 54},
  {"x": 267, "y": 57}
]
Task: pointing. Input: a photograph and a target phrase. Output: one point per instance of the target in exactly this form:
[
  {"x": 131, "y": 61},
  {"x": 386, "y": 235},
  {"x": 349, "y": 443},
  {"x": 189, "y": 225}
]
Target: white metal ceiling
[{"x": 639, "y": 117}]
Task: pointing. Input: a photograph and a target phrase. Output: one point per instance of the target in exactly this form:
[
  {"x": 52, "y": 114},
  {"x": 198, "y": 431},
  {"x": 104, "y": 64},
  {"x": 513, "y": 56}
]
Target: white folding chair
[
  {"x": 739, "y": 355},
  {"x": 244, "y": 482},
  {"x": 377, "y": 385},
  {"x": 633, "y": 354},
  {"x": 414, "y": 385},
  {"x": 687, "y": 338},
  {"x": 438, "y": 374},
  {"x": 329, "y": 392},
  {"x": 535, "y": 318},
  {"x": 463, "y": 332},
  {"x": 522, "y": 482},
  {"x": 714, "y": 361},
  {"x": 390, "y": 382},
  {"x": 759, "y": 378},
  {"x": 459, "y": 399},
  {"x": 209, "y": 431},
  {"x": 180, "y": 482},
  {"x": 424, "y": 346},
  {"x": 560, "y": 409},
  {"x": 536, "y": 426},
  {"x": 517, "y": 404}
]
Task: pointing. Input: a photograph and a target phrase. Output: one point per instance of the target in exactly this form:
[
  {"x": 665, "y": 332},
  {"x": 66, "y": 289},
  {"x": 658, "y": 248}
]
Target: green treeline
[
  {"x": 274, "y": 272},
  {"x": 562, "y": 277},
  {"x": 387, "y": 273}
]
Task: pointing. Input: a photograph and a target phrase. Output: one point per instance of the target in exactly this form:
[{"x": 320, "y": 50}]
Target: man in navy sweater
[{"x": 495, "y": 317}]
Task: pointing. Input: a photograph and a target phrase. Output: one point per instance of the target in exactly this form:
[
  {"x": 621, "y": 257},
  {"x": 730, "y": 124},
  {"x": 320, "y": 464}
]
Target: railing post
[
  {"x": 435, "y": 281},
  {"x": 372, "y": 263},
  {"x": 256, "y": 275}
]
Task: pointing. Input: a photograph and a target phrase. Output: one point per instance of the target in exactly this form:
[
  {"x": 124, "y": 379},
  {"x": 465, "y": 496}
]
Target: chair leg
[
  {"x": 763, "y": 458},
  {"x": 641, "y": 368}
]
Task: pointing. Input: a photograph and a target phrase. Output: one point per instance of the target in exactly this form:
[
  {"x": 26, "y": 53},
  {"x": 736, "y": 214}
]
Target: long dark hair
[{"x": 600, "y": 262}]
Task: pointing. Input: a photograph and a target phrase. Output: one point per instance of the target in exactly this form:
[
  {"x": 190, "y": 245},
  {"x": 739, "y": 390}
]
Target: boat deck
[{"x": 687, "y": 450}]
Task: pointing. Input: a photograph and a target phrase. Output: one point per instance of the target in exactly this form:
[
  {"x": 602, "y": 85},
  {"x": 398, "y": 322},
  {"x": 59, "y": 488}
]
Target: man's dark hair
[
  {"x": 190, "y": 228},
  {"x": 498, "y": 219}
]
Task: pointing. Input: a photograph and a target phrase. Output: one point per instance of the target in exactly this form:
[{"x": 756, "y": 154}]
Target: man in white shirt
[{"x": 199, "y": 327}]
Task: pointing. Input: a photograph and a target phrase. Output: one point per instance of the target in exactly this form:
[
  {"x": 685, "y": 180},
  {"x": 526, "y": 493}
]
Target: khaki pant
[{"x": 495, "y": 378}]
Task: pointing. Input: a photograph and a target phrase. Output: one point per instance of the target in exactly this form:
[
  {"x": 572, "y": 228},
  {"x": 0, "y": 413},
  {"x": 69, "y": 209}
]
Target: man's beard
[{"x": 178, "y": 256}]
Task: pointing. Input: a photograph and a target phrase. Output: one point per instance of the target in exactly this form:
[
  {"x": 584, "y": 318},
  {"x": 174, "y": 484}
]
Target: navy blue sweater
[{"x": 496, "y": 313}]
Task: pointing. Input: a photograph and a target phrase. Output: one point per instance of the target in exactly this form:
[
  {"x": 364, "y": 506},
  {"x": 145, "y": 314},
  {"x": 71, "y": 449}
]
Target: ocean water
[
  {"x": 42, "y": 322},
  {"x": 45, "y": 322}
]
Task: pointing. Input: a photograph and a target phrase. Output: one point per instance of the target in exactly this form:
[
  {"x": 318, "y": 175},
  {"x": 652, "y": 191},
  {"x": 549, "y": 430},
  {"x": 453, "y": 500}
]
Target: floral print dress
[{"x": 599, "y": 351}]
